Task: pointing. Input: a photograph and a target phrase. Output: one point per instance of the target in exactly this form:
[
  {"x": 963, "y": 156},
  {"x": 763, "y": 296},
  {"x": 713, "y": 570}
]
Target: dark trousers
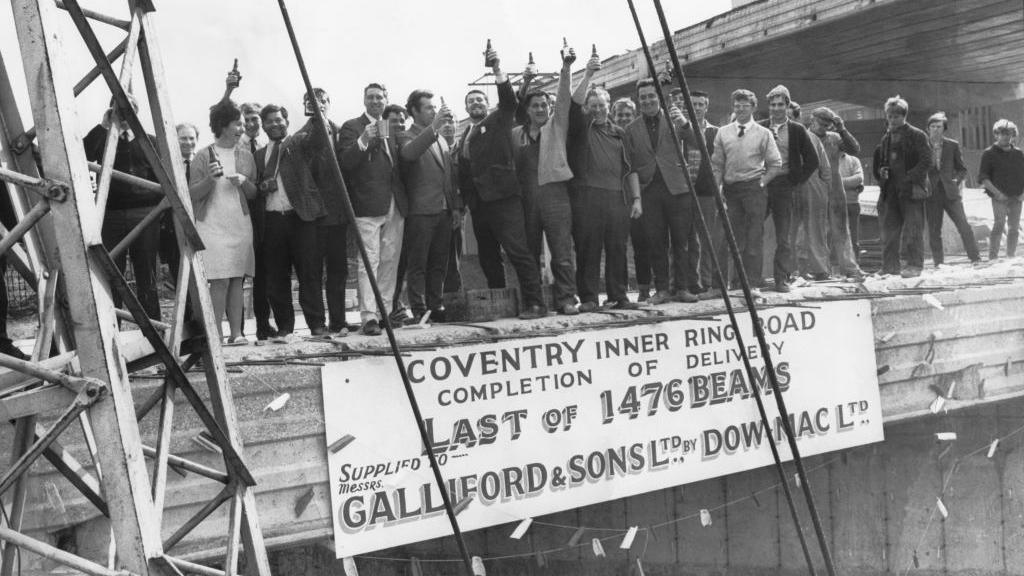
[
  {"x": 853, "y": 217},
  {"x": 292, "y": 243},
  {"x": 501, "y": 224},
  {"x": 1006, "y": 214},
  {"x": 426, "y": 246},
  {"x": 747, "y": 203},
  {"x": 169, "y": 251},
  {"x": 453, "y": 276},
  {"x": 488, "y": 246},
  {"x": 780, "y": 206},
  {"x": 902, "y": 220},
  {"x": 549, "y": 216},
  {"x": 600, "y": 220},
  {"x": 333, "y": 243},
  {"x": 641, "y": 253},
  {"x": 670, "y": 216},
  {"x": 934, "y": 207},
  {"x": 400, "y": 274},
  {"x": 717, "y": 232},
  {"x": 142, "y": 252},
  {"x": 260, "y": 301}
]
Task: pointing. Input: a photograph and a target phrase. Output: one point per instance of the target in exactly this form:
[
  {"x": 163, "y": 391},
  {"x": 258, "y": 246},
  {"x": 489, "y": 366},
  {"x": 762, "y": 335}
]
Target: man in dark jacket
[
  {"x": 368, "y": 154},
  {"x": 901, "y": 165},
  {"x": 799, "y": 161},
  {"x": 490, "y": 187},
  {"x": 126, "y": 207},
  {"x": 291, "y": 207},
  {"x": 946, "y": 177}
]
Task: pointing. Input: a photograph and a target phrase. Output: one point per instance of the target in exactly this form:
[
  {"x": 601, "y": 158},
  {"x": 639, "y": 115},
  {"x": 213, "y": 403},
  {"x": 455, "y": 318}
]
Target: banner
[{"x": 529, "y": 427}]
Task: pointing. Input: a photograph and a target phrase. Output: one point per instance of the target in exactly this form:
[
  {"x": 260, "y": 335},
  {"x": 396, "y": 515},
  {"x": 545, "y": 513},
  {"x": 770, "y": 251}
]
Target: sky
[{"x": 403, "y": 44}]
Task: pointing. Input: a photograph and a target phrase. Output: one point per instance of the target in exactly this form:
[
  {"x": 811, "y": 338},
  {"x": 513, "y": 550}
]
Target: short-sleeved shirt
[
  {"x": 605, "y": 166},
  {"x": 1004, "y": 168}
]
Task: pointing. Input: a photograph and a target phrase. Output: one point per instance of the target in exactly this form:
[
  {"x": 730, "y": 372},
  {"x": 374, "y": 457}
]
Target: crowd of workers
[{"x": 587, "y": 176}]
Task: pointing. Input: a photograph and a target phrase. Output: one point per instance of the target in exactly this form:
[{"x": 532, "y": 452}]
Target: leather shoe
[
  {"x": 371, "y": 328},
  {"x": 910, "y": 272},
  {"x": 782, "y": 286},
  {"x": 266, "y": 334},
  {"x": 318, "y": 331},
  {"x": 686, "y": 297},
  {"x": 625, "y": 305},
  {"x": 532, "y": 313},
  {"x": 569, "y": 309},
  {"x": 587, "y": 307},
  {"x": 659, "y": 297}
]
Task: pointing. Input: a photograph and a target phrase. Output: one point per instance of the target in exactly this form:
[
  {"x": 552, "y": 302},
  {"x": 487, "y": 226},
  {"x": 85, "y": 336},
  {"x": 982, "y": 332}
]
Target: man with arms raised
[
  {"x": 434, "y": 206},
  {"x": 490, "y": 188},
  {"x": 368, "y": 155}
]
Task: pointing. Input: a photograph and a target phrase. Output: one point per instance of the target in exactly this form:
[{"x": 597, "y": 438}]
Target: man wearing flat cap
[{"x": 836, "y": 139}]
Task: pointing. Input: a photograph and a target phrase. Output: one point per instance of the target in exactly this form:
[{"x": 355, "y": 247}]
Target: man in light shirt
[{"x": 745, "y": 159}]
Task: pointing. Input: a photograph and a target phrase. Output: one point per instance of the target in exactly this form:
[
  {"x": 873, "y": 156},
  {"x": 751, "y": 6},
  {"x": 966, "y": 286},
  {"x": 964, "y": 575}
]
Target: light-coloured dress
[{"x": 225, "y": 229}]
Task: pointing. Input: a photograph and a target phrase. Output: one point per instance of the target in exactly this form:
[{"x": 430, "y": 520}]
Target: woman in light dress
[{"x": 222, "y": 181}]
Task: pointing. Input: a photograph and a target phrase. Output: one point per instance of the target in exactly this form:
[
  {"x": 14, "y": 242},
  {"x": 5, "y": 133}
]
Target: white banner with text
[{"x": 528, "y": 427}]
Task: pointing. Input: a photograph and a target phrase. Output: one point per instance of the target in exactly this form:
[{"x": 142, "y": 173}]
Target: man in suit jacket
[
  {"x": 799, "y": 161},
  {"x": 490, "y": 188},
  {"x": 704, "y": 181},
  {"x": 332, "y": 229},
  {"x": 368, "y": 154},
  {"x": 434, "y": 206},
  {"x": 901, "y": 165},
  {"x": 946, "y": 176},
  {"x": 668, "y": 202},
  {"x": 291, "y": 205}
]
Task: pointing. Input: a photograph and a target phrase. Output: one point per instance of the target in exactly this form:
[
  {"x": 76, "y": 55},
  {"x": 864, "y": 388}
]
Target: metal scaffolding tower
[{"x": 81, "y": 362}]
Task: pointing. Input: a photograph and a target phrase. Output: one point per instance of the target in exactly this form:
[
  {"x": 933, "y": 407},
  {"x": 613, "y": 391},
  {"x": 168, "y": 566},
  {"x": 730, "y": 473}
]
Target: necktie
[
  {"x": 252, "y": 146},
  {"x": 742, "y": 130},
  {"x": 188, "y": 170},
  {"x": 273, "y": 159}
]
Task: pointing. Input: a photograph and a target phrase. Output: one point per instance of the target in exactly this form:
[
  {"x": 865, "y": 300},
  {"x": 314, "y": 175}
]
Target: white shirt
[{"x": 277, "y": 201}]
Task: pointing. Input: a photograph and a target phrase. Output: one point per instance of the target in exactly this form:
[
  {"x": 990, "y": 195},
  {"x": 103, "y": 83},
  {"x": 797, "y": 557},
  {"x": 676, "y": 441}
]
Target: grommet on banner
[
  {"x": 627, "y": 541},
  {"x": 598, "y": 548},
  {"x": 705, "y": 517},
  {"x": 937, "y": 405},
  {"x": 303, "y": 501},
  {"x": 886, "y": 337},
  {"x": 340, "y": 443},
  {"x": 415, "y": 567},
  {"x": 992, "y": 448},
  {"x": 576, "y": 537},
  {"x": 521, "y": 529},
  {"x": 278, "y": 402},
  {"x": 478, "y": 566},
  {"x": 350, "y": 566},
  {"x": 945, "y": 436},
  {"x": 464, "y": 503},
  {"x": 639, "y": 568},
  {"x": 942, "y": 508}
]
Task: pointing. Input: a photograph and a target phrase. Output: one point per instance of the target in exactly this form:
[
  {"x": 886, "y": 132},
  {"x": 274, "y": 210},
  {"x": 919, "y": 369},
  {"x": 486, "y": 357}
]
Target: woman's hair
[
  {"x": 222, "y": 114},
  {"x": 597, "y": 91}
]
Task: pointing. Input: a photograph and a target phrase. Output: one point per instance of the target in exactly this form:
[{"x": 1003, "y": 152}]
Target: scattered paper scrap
[
  {"x": 278, "y": 402},
  {"x": 705, "y": 517},
  {"x": 945, "y": 436},
  {"x": 993, "y": 447},
  {"x": 576, "y": 537},
  {"x": 350, "y": 566},
  {"x": 942, "y": 508},
  {"x": 937, "y": 405},
  {"x": 598, "y": 548},
  {"x": 932, "y": 301},
  {"x": 478, "y": 565}
]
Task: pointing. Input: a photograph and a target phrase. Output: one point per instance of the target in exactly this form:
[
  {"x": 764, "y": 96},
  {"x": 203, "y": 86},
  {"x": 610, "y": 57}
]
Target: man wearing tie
[
  {"x": 490, "y": 187},
  {"x": 291, "y": 207},
  {"x": 253, "y": 139},
  {"x": 434, "y": 207},
  {"x": 367, "y": 150}
]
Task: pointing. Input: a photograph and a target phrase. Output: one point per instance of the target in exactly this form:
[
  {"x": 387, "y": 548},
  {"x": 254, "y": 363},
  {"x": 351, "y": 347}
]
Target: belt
[{"x": 281, "y": 212}]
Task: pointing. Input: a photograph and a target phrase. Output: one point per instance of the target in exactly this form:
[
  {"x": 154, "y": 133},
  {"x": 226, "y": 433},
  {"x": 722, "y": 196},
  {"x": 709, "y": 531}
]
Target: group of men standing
[{"x": 572, "y": 170}]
